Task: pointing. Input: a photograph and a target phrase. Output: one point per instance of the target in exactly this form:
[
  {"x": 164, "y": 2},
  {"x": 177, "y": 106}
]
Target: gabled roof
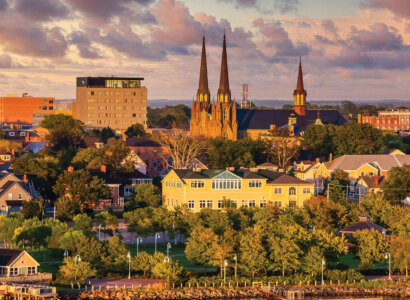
[
  {"x": 141, "y": 142},
  {"x": 371, "y": 181},
  {"x": 362, "y": 225},
  {"x": 89, "y": 141},
  {"x": 8, "y": 256},
  {"x": 8, "y": 184},
  {"x": 353, "y": 162}
]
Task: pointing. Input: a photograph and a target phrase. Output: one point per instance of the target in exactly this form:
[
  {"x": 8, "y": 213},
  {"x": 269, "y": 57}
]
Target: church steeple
[
  {"x": 224, "y": 93},
  {"x": 203, "y": 93},
  {"x": 299, "y": 94}
]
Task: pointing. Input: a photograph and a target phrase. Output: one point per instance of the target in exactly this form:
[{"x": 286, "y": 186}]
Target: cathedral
[{"x": 224, "y": 120}]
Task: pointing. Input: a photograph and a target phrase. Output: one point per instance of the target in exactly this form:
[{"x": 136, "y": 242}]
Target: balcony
[{"x": 39, "y": 277}]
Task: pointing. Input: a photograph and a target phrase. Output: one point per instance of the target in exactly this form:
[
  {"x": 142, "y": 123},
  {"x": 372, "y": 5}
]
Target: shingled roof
[
  {"x": 353, "y": 162},
  {"x": 141, "y": 142},
  {"x": 363, "y": 224},
  {"x": 271, "y": 176},
  {"x": 7, "y": 256},
  {"x": 263, "y": 118}
]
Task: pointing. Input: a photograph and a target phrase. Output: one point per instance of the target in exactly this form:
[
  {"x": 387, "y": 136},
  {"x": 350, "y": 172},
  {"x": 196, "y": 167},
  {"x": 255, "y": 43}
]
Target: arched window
[
  {"x": 226, "y": 114},
  {"x": 292, "y": 191}
]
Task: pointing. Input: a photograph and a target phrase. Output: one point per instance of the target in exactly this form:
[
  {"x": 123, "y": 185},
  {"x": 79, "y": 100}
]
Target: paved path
[
  {"x": 384, "y": 277},
  {"x": 120, "y": 282}
]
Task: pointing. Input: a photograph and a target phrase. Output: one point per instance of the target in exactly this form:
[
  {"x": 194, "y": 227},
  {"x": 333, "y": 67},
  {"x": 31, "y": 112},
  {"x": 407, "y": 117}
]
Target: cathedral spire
[
  {"x": 299, "y": 94},
  {"x": 203, "y": 89},
  {"x": 224, "y": 93}
]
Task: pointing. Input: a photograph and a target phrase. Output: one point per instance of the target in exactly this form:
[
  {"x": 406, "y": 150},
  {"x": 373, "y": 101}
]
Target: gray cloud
[
  {"x": 398, "y": 7},
  {"x": 329, "y": 26},
  {"x": 378, "y": 38},
  {"x": 83, "y": 44},
  {"x": 6, "y": 62},
  {"x": 41, "y": 10}
]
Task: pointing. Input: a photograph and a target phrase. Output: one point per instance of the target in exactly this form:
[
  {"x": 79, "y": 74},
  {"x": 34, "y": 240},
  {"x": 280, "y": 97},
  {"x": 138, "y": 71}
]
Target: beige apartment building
[{"x": 117, "y": 102}]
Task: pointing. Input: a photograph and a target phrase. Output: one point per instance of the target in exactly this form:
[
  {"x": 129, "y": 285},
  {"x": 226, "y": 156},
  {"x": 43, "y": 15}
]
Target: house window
[
  {"x": 292, "y": 204},
  {"x": 306, "y": 190},
  {"x": 278, "y": 191},
  {"x": 255, "y": 183},
  {"x": 209, "y": 203},
  {"x": 14, "y": 271},
  {"x": 31, "y": 270},
  {"x": 244, "y": 203},
  {"x": 220, "y": 203},
  {"x": 202, "y": 203},
  {"x": 179, "y": 184},
  {"x": 191, "y": 204},
  {"x": 10, "y": 196},
  {"x": 262, "y": 203},
  {"x": 20, "y": 196},
  {"x": 292, "y": 191},
  {"x": 168, "y": 183},
  {"x": 252, "y": 203},
  {"x": 371, "y": 173},
  {"x": 197, "y": 184},
  {"x": 361, "y": 173},
  {"x": 173, "y": 183},
  {"x": 278, "y": 203},
  {"x": 226, "y": 184}
]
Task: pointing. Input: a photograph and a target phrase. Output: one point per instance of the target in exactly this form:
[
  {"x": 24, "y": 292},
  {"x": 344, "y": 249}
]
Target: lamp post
[
  {"x": 129, "y": 264},
  {"x": 77, "y": 258},
  {"x": 235, "y": 258},
  {"x": 168, "y": 247},
  {"x": 139, "y": 240},
  {"x": 323, "y": 266},
  {"x": 99, "y": 233},
  {"x": 388, "y": 256},
  {"x": 225, "y": 265},
  {"x": 157, "y": 236},
  {"x": 65, "y": 253}
]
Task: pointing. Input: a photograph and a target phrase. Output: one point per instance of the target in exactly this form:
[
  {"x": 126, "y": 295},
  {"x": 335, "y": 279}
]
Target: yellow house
[
  {"x": 17, "y": 263},
  {"x": 199, "y": 188}
]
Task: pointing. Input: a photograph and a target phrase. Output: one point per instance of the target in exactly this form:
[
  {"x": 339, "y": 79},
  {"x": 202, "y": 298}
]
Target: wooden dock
[{"x": 27, "y": 292}]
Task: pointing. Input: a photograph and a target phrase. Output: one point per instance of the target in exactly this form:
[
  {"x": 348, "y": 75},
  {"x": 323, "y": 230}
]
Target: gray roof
[
  {"x": 263, "y": 118},
  {"x": 271, "y": 176},
  {"x": 7, "y": 256},
  {"x": 353, "y": 162}
]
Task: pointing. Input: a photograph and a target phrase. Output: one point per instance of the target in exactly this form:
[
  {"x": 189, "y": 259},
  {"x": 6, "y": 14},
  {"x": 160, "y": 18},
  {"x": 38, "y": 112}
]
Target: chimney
[
  {"x": 25, "y": 178},
  {"x": 230, "y": 168},
  {"x": 28, "y": 136},
  {"x": 124, "y": 137},
  {"x": 317, "y": 159},
  {"x": 330, "y": 157},
  {"x": 359, "y": 118},
  {"x": 70, "y": 169},
  {"x": 376, "y": 180},
  {"x": 12, "y": 151},
  {"x": 196, "y": 169},
  {"x": 104, "y": 168}
]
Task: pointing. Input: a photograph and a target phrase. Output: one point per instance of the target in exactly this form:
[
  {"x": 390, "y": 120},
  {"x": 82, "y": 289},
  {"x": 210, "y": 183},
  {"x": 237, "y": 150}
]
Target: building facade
[
  {"x": 224, "y": 120},
  {"x": 117, "y": 102},
  {"x": 211, "y": 188},
  {"x": 21, "y": 110},
  {"x": 393, "y": 120}
]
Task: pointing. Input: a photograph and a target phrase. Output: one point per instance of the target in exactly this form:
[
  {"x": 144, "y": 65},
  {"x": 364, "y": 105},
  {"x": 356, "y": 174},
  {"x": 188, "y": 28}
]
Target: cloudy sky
[{"x": 351, "y": 49}]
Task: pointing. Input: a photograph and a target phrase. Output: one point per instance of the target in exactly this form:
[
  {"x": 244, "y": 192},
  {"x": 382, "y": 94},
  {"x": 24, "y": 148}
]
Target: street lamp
[
  {"x": 77, "y": 258},
  {"x": 157, "y": 236},
  {"x": 168, "y": 247},
  {"x": 129, "y": 264},
  {"x": 139, "y": 240},
  {"x": 225, "y": 265},
  {"x": 99, "y": 233},
  {"x": 235, "y": 258},
  {"x": 323, "y": 266},
  {"x": 388, "y": 256},
  {"x": 65, "y": 253}
]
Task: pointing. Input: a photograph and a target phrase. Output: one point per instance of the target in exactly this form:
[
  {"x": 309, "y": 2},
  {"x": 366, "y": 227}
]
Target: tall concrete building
[{"x": 117, "y": 102}]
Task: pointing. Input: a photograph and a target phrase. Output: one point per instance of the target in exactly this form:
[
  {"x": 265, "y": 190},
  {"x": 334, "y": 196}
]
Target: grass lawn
[
  {"x": 49, "y": 255},
  {"x": 353, "y": 261}
]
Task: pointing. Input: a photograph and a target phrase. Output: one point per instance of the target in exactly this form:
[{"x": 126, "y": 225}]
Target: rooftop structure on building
[
  {"x": 394, "y": 120},
  {"x": 363, "y": 224},
  {"x": 116, "y": 102}
]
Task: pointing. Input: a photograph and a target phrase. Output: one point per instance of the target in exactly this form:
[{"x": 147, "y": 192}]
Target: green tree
[
  {"x": 319, "y": 139},
  {"x": 371, "y": 248},
  {"x": 8, "y": 226},
  {"x": 58, "y": 229},
  {"x": 400, "y": 252},
  {"x": 64, "y": 132},
  {"x": 338, "y": 186},
  {"x": 81, "y": 187},
  {"x": 107, "y": 220},
  {"x": 89, "y": 158},
  {"x": 395, "y": 142},
  {"x": 253, "y": 256},
  {"x": 397, "y": 186},
  {"x": 354, "y": 138},
  {"x": 117, "y": 252},
  {"x": 143, "y": 262},
  {"x": 199, "y": 245},
  {"x": 147, "y": 195},
  {"x": 32, "y": 209},
  {"x": 117, "y": 158},
  {"x": 66, "y": 208},
  {"x": 136, "y": 130},
  {"x": 83, "y": 223},
  {"x": 69, "y": 241},
  {"x": 80, "y": 270},
  {"x": 105, "y": 133},
  {"x": 284, "y": 252},
  {"x": 168, "y": 269},
  {"x": 312, "y": 262},
  {"x": 140, "y": 221}
]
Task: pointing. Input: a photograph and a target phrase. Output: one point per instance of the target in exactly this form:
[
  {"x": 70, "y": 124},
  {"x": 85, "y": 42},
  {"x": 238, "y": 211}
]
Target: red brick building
[
  {"x": 20, "y": 110},
  {"x": 394, "y": 120}
]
